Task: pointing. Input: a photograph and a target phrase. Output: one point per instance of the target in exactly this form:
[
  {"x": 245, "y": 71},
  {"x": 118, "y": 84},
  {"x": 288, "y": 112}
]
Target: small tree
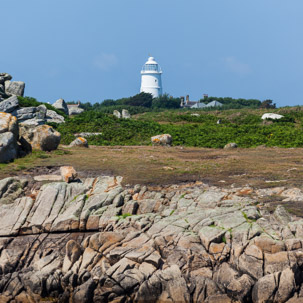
[{"x": 268, "y": 104}]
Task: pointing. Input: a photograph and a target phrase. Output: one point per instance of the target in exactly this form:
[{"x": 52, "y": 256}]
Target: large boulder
[
  {"x": 9, "y": 123},
  {"x": 125, "y": 114},
  {"x": 61, "y": 105},
  {"x": 164, "y": 140},
  {"x": 74, "y": 110},
  {"x": 271, "y": 116},
  {"x": 52, "y": 116},
  {"x": 15, "y": 88},
  {"x": 8, "y": 147},
  {"x": 42, "y": 137},
  {"x": 117, "y": 114},
  {"x": 9, "y": 105},
  {"x": 79, "y": 142}
]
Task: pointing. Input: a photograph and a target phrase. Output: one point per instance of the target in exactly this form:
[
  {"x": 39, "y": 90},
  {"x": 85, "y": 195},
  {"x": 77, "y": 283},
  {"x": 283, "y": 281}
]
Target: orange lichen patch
[
  {"x": 244, "y": 192},
  {"x": 111, "y": 186},
  {"x": 82, "y": 139},
  {"x": 136, "y": 196}
]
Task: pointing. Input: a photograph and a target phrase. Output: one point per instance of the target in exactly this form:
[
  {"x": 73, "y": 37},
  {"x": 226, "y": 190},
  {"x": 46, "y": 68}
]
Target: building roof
[
  {"x": 214, "y": 103},
  {"x": 198, "y": 105}
]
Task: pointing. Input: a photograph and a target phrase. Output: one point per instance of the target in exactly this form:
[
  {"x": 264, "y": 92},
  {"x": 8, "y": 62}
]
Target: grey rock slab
[
  {"x": 41, "y": 112},
  {"x": 52, "y": 116},
  {"x": 209, "y": 234},
  {"x": 264, "y": 289},
  {"x": 8, "y": 147},
  {"x": 50, "y": 202},
  {"x": 43, "y": 178},
  {"x": 231, "y": 220},
  {"x": 14, "y": 216},
  {"x": 210, "y": 199},
  {"x": 9, "y": 105},
  {"x": 15, "y": 88}
]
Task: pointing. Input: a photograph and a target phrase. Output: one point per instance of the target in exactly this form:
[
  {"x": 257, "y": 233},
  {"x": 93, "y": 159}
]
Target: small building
[
  {"x": 191, "y": 104},
  {"x": 198, "y": 104}
]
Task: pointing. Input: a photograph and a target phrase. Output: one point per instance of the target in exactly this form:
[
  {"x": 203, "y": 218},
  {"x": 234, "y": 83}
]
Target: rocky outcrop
[
  {"x": 9, "y": 88},
  {"x": 14, "y": 88},
  {"x": 61, "y": 105},
  {"x": 97, "y": 241},
  {"x": 9, "y": 105},
  {"x": 164, "y": 140}
]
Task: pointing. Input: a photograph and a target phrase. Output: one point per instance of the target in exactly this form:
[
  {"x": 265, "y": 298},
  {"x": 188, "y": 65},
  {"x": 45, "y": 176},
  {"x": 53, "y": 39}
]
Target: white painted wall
[{"x": 151, "y": 81}]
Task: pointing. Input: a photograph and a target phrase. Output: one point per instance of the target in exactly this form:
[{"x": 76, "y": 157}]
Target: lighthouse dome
[{"x": 151, "y": 65}]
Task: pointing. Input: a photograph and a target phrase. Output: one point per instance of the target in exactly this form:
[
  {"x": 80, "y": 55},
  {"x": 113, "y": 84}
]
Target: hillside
[{"x": 195, "y": 128}]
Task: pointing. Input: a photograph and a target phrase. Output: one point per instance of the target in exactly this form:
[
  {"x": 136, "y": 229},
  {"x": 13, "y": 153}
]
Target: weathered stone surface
[
  {"x": 60, "y": 104},
  {"x": 9, "y": 123},
  {"x": 52, "y": 116},
  {"x": 68, "y": 173},
  {"x": 41, "y": 111},
  {"x": 79, "y": 142},
  {"x": 117, "y": 114},
  {"x": 74, "y": 110},
  {"x": 96, "y": 241},
  {"x": 42, "y": 137},
  {"x": 43, "y": 178},
  {"x": 125, "y": 114},
  {"x": 9, "y": 105},
  {"x": 165, "y": 140},
  {"x": 8, "y": 147},
  {"x": 15, "y": 88},
  {"x": 25, "y": 113}
]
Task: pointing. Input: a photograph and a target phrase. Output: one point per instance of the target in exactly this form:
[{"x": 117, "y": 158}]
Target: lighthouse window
[{"x": 151, "y": 67}]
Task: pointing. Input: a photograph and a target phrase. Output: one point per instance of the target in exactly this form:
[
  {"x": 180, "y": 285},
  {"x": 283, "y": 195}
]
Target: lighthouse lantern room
[{"x": 151, "y": 78}]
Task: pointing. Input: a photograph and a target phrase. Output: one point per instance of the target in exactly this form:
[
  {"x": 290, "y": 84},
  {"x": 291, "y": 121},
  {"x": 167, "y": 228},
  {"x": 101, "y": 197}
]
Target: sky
[{"x": 94, "y": 50}]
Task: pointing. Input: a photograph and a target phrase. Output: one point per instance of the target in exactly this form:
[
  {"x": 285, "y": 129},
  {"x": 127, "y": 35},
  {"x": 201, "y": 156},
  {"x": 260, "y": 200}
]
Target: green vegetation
[
  {"x": 124, "y": 216},
  {"x": 243, "y": 127},
  {"x": 231, "y": 103},
  {"x": 139, "y": 103}
]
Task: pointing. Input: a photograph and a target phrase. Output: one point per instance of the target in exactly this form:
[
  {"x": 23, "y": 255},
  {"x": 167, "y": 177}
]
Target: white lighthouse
[{"x": 151, "y": 78}]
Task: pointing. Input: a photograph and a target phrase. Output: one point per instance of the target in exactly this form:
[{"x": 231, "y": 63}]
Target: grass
[{"x": 146, "y": 165}]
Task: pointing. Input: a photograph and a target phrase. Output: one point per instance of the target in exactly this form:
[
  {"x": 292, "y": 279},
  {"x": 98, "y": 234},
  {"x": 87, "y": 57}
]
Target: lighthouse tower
[{"x": 151, "y": 78}]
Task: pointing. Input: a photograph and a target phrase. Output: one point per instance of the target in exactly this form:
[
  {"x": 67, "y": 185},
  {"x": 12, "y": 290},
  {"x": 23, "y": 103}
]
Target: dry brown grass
[{"x": 259, "y": 167}]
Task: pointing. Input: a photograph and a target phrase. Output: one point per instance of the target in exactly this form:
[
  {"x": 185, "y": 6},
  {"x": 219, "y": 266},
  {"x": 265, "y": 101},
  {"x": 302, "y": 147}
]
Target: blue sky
[{"x": 93, "y": 50}]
